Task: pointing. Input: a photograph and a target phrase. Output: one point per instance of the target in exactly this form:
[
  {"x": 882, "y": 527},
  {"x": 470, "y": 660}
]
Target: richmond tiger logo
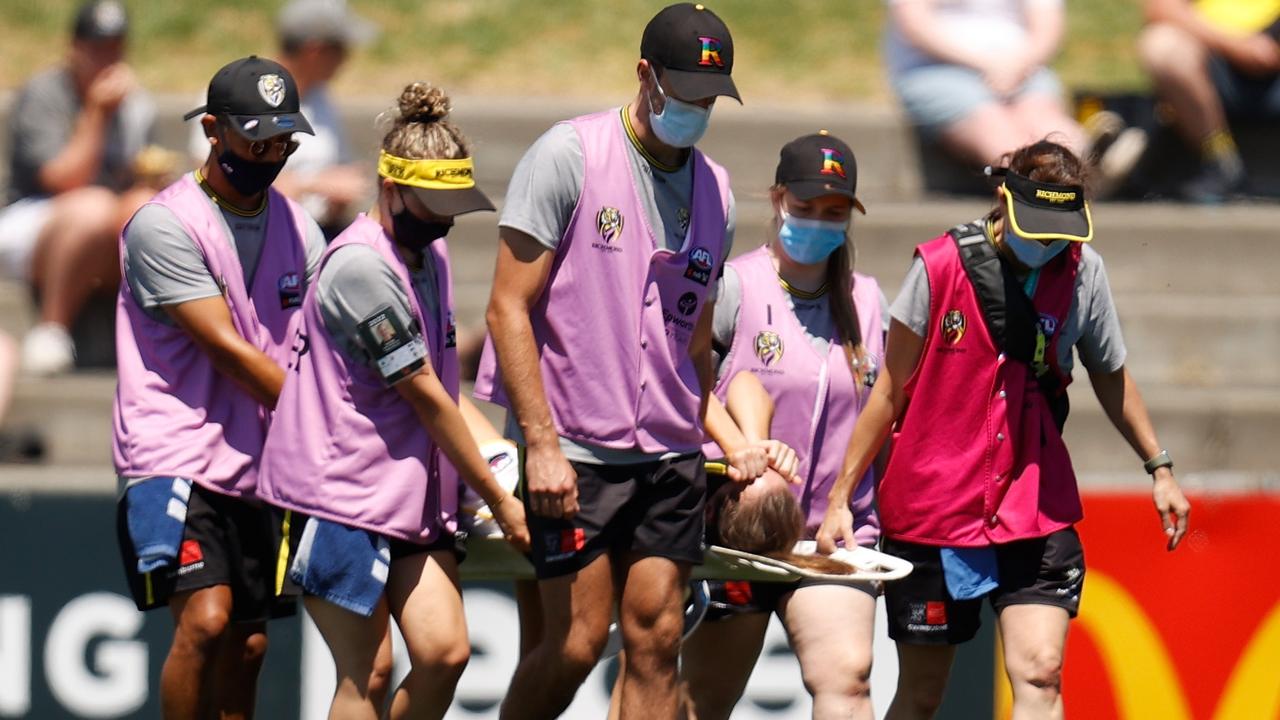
[
  {"x": 768, "y": 347},
  {"x": 609, "y": 223},
  {"x": 953, "y": 326}
]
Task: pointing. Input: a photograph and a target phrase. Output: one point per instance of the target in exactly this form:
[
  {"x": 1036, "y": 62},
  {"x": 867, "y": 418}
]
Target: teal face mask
[
  {"x": 810, "y": 241},
  {"x": 680, "y": 124},
  {"x": 1033, "y": 253}
]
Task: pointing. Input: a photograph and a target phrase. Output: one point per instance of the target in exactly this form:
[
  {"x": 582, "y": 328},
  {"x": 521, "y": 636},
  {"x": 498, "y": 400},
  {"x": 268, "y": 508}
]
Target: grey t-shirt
[
  {"x": 163, "y": 266},
  {"x": 356, "y": 284},
  {"x": 541, "y": 199},
  {"x": 43, "y": 120},
  {"x": 1092, "y": 325},
  {"x": 814, "y": 316}
]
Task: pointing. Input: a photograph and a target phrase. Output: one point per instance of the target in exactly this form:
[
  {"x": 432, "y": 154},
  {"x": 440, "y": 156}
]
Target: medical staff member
[
  {"x": 795, "y": 315},
  {"x": 368, "y": 441},
  {"x": 613, "y": 236},
  {"x": 214, "y": 267},
  {"x": 979, "y": 493}
]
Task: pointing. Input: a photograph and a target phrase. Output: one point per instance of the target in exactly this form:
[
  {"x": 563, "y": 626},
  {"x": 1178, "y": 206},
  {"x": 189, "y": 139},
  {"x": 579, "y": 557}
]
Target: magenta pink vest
[
  {"x": 816, "y": 398},
  {"x": 174, "y": 413},
  {"x": 614, "y": 323},
  {"x": 345, "y": 447},
  {"x": 976, "y": 458}
]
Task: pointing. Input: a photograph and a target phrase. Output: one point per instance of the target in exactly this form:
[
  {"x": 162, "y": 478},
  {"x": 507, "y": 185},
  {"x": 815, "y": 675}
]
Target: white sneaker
[
  {"x": 48, "y": 350},
  {"x": 1118, "y": 160}
]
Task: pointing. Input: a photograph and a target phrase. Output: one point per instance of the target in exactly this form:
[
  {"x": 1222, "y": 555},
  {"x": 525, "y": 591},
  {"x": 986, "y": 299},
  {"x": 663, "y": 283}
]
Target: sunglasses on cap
[{"x": 284, "y": 145}]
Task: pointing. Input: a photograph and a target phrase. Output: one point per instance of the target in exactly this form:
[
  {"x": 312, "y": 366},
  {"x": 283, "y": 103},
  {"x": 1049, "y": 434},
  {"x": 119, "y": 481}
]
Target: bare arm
[
  {"x": 482, "y": 431},
  {"x": 208, "y": 322},
  {"x": 78, "y": 163},
  {"x": 751, "y": 408},
  {"x": 883, "y": 408},
  {"x": 1120, "y": 399},
  {"x": 700, "y": 353},
  {"x": 444, "y": 421},
  {"x": 521, "y": 273}
]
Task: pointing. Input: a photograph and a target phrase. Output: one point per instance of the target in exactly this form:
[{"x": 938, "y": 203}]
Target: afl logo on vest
[
  {"x": 768, "y": 347},
  {"x": 290, "y": 286},
  {"x": 953, "y": 327},
  {"x": 699, "y": 269}
]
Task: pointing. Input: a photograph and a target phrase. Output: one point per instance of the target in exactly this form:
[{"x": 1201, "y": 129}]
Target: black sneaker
[{"x": 1212, "y": 185}]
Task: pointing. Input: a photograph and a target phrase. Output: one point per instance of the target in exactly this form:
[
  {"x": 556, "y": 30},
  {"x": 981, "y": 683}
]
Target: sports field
[{"x": 809, "y": 50}]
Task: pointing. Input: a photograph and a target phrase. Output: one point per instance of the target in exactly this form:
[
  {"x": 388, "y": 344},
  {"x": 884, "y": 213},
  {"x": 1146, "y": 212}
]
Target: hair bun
[{"x": 422, "y": 102}]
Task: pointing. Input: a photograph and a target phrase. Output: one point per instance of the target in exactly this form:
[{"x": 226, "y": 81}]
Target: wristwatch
[{"x": 1161, "y": 459}]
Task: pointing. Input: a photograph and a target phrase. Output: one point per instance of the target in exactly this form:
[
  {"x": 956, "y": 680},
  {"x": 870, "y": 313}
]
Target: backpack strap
[{"x": 1010, "y": 315}]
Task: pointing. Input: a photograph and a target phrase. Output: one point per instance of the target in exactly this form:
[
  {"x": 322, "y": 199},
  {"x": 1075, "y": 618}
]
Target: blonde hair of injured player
[{"x": 763, "y": 516}]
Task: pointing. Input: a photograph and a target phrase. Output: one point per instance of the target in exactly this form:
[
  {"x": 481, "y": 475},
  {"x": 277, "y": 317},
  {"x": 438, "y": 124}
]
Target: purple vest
[
  {"x": 174, "y": 413},
  {"x": 614, "y": 323},
  {"x": 345, "y": 447},
  {"x": 815, "y": 396}
]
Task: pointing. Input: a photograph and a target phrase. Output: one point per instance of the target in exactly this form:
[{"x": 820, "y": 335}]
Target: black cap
[
  {"x": 1045, "y": 211},
  {"x": 100, "y": 20},
  {"x": 695, "y": 50},
  {"x": 819, "y": 164},
  {"x": 258, "y": 96}
]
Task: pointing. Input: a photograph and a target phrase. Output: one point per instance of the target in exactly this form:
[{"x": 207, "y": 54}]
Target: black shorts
[
  {"x": 226, "y": 541},
  {"x": 653, "y": 509},
  {"x": 730, "y": 598},
  {"x": 1043, "y": 571}
]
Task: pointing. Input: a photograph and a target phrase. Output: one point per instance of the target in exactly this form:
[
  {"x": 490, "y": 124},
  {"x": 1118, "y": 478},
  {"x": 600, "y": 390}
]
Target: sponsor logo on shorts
[
  {"x": 564, "y": 544},
  {"x": 738, "y": 592},
  {"x": 927, "y": 617},
  {"x": 609, "y": 222},
  {"x": 935, "y": 612},
  {"x": 953, "y": 326},
  {"x": 190, "y": 557}
]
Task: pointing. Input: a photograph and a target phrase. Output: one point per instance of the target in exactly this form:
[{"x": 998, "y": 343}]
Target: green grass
[{"x": 807, "y": 50}]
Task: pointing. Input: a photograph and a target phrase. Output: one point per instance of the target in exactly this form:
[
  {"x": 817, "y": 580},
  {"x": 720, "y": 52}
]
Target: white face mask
[
  {"x": 680, "y": 124},
  {"x": 1033, "y": 253}
]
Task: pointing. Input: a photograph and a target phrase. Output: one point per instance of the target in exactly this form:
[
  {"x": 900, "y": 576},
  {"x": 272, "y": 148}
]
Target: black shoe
[
  {"x": 1212, "y": 185},
  {"x": 21, "y": 447}
]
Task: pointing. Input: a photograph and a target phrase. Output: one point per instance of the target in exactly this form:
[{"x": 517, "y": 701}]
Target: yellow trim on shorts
[
  {"x": 151, "y": 591},
  {"x": 282, "y": 560},
  {"x": 717, "y": 467}
]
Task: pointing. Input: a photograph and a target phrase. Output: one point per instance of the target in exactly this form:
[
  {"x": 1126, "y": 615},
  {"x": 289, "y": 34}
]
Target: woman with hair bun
[
  {"x": 979, "y": 493},
  {"x": 368, "y": 441}
]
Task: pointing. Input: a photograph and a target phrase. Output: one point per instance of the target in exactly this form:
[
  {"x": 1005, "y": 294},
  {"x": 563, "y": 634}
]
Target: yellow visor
[{"x": 428, "y": 174}]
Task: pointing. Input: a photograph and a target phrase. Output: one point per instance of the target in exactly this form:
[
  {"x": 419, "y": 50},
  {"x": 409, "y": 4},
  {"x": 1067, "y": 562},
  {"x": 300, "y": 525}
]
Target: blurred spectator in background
[
  {"x": 973, "y": 76},
  {"x": 1211, "y": 60},
  {"x": 316, "y": 37},
  {"x": 75, "y": 132}
]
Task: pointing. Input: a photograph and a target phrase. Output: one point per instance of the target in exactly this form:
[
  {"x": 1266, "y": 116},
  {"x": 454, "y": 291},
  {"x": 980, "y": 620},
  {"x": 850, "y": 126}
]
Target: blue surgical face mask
[
  {"x": 680, "y": 124},
  {"x": 1033, "y": 253},
  {"x": 810, "y": 241}
]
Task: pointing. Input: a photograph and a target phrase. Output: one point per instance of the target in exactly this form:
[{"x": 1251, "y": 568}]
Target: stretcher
[{"x": 490, "y": 558}]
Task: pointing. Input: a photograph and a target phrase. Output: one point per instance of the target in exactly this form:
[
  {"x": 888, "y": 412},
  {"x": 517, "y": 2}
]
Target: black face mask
[
  {"x": 248, "y": 177},
  {"x": 413, "y": 232}
]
